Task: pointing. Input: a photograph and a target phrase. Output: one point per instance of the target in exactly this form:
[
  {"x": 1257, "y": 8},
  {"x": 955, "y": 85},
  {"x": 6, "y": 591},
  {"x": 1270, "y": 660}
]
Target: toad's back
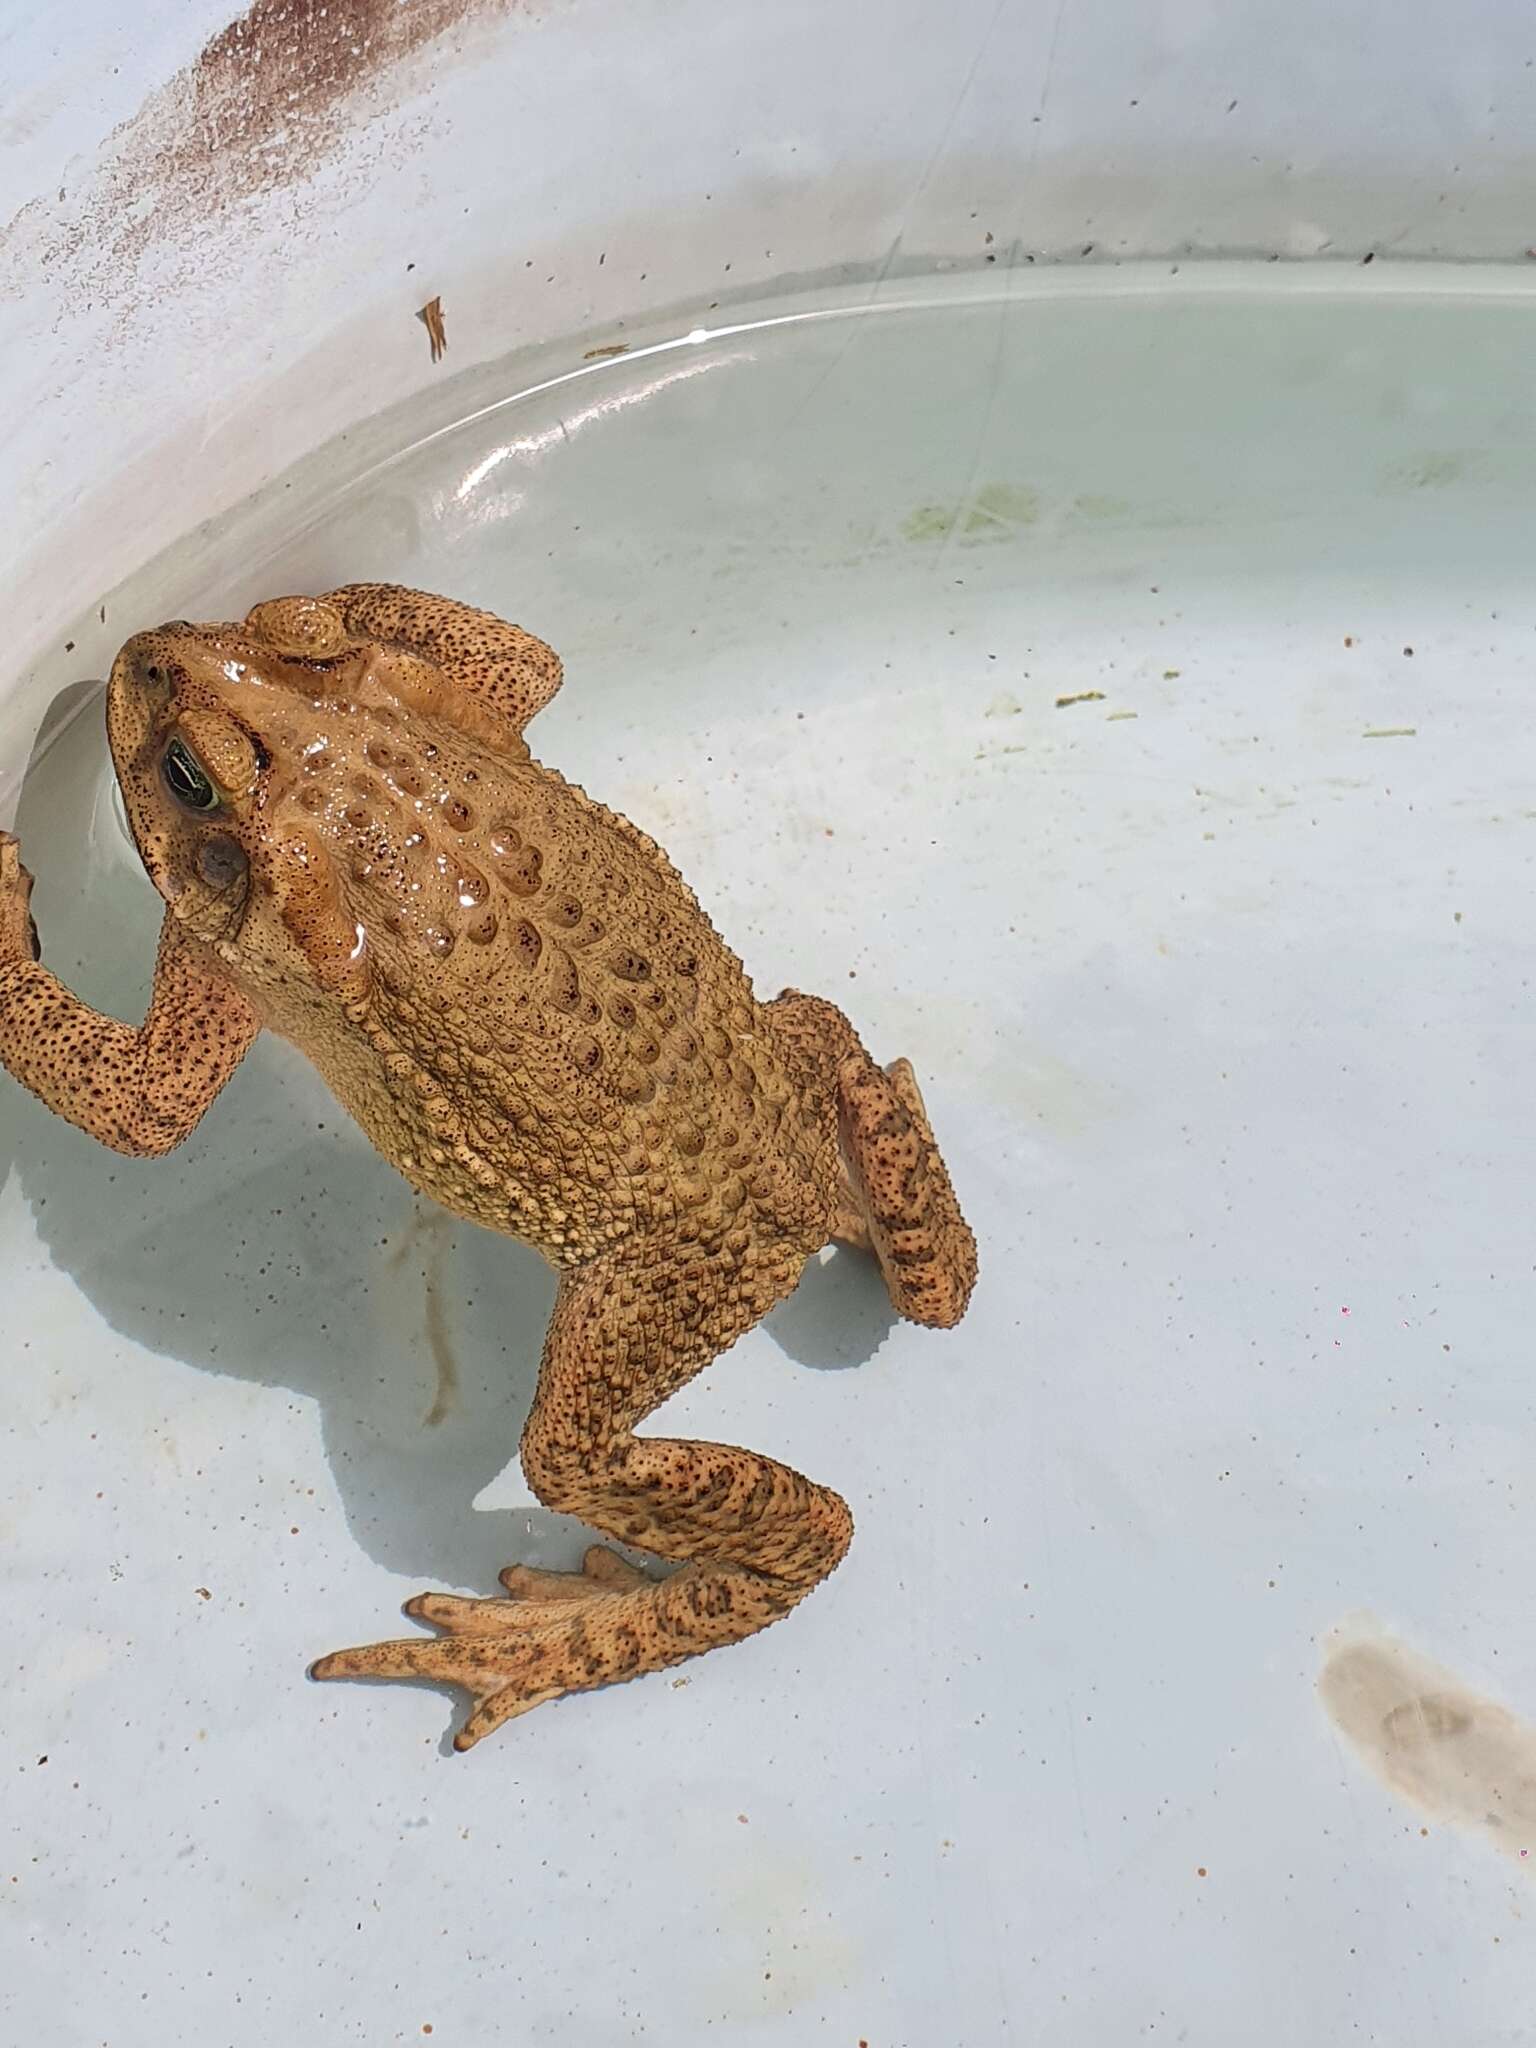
[{"x": 542, "y": 1028}]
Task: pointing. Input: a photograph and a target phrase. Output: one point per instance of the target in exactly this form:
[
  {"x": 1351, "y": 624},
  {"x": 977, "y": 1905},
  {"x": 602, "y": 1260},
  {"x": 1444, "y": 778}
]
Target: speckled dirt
[{"x": 261, "y": 108}]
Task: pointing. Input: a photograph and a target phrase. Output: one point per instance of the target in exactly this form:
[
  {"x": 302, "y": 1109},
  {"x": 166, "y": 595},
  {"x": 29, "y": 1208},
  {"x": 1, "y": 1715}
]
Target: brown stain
[
  {"x": 1451, "y": 1753},
  {"x": 260, "y": 109},
  {"x": 440, "y": 1345},
  {"x": 432, "y": 1228}
]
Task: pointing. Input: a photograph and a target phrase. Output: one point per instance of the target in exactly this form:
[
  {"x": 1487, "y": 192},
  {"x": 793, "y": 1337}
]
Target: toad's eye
[{"x": 186, "y": 779}]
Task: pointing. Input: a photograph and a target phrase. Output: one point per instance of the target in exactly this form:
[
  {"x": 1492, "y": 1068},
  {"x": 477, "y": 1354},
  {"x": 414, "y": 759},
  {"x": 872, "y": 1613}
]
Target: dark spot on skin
[
  {"x": 565, "y": 986},
  {"x": 524, "y": 870}
]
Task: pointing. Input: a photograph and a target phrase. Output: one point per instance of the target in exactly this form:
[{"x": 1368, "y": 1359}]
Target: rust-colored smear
[
  {"x": 267, "y": 101},
  {"x": 269, "y": 95}
]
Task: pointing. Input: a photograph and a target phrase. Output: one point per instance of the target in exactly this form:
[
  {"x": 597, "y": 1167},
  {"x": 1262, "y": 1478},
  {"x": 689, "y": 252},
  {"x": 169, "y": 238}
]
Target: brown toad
[{"x": 523, "y": 1005}]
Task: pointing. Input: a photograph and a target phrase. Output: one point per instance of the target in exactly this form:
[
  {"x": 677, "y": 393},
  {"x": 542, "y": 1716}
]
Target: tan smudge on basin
[{"x": 1457, "y": 1756}]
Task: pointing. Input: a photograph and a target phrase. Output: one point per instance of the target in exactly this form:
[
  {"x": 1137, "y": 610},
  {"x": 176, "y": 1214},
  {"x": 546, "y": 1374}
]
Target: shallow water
[{"x": 1028, "y": 669}]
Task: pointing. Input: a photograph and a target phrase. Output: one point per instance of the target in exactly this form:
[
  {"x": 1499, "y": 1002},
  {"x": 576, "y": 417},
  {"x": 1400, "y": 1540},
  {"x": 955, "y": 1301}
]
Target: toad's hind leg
[
  {"x": 899, "y": 1199},
  {"x": 752, "y": 1537}
]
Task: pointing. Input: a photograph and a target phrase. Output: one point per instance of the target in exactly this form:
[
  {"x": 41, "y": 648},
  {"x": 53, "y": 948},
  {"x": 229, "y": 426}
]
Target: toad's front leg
[
  {"x": 505, "y": 668},
  {"x": 752, "y": 1537},
  {"x": 142, "y": 1091}
]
